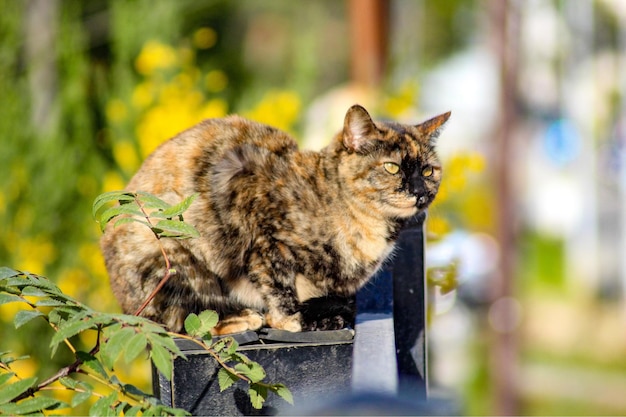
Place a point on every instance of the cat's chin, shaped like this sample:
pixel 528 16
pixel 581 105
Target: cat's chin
pixel 405 209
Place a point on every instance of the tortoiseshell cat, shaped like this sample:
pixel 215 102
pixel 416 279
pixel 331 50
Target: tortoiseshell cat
pixel 278 226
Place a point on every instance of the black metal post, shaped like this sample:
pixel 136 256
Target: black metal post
pixel 409 309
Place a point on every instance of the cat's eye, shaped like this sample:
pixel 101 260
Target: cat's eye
pixel 427 171
pixel 391 168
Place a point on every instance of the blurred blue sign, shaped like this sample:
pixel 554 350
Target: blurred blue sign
pixel 562 142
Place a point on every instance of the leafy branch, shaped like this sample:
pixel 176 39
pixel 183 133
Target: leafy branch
pixel 118 336
pixel 169 222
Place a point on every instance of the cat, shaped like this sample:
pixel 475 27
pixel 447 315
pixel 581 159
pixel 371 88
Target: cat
pixel 279 226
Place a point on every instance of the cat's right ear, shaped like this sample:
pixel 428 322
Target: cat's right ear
pixel 357 127
pixel 432 127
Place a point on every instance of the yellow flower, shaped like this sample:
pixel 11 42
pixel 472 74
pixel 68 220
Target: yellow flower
pixel 125 156
pixel 436 225
pixel 277 108
pixel 183 81
pixel 9 310
pixel 155 56
pixel 116 111
pixel 143 95
pixel 112 182
pixel 92 258
pixel 204 38
pixel 187 56
pixel 402 101
pixel 216 81
pixel 72 282
pixel 34 254
pixel 25 368
pixel 214 108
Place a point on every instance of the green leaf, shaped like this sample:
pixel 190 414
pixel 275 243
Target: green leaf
pixel 104 406
pixel 72 327
pixel 125 220
pixel 24 316
pixel 79 398
pixel 162 359
pixel 109 197
pixel 34 291
pixel 239 357
pixel 5 377
pixel 133 411
pixel 209 319
pixel 113 347
pixel 30 405
pixel 232 347
pixel 175 228
pixel 193 324
pixel 50 302
pixel 180 208
pixel 283 392
pixel 219 345
pixel 8 298
pixel 252 370
pixel 151 327
pixel 133 390
pixel 135 346
pixel 92 363
pixel 68 382
pixel 151 201
pixel 6 272
pixel 9 360
pixel 226 379
pixel 10 391
pixel 166 341
pixel 42 282
pixel 119 410
pixel 258 394
pixel 125 209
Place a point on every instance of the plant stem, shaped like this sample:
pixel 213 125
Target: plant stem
pixel 63 372
pixel 212 352
pixel 168 267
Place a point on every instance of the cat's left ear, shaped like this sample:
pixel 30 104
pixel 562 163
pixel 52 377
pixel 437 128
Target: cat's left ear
pixel 432 127
pixel 357 128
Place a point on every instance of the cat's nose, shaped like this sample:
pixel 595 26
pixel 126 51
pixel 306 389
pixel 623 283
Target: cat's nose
pixel 421 201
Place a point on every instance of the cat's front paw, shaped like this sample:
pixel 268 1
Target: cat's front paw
pixel 328 313
pixel 292 323
pixel 327 323
pixel 246 319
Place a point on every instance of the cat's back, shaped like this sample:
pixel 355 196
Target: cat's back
pixel 176 164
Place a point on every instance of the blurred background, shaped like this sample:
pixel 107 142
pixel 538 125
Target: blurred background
pixel 527 239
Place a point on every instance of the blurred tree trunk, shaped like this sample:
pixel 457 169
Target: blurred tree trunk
pixel 369 30
pixel 41 29
pixel 504 359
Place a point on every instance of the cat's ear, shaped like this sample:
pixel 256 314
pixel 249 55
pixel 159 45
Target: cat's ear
pixel 357 127
pixel 431 128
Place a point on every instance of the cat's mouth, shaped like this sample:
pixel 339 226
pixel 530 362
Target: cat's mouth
pixel 405 206
pixel 422 202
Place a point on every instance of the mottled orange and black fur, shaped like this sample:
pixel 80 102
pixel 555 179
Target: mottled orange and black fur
pixel 278 226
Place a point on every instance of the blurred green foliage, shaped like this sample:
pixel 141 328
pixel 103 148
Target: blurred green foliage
pixel 114 79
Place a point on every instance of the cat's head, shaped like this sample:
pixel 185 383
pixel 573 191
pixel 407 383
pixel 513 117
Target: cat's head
pixel 391 167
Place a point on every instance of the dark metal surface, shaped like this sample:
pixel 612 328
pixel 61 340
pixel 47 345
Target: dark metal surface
pixel 309 370
pixel 409 309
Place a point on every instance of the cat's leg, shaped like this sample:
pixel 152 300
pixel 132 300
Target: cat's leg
pixel 276 280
